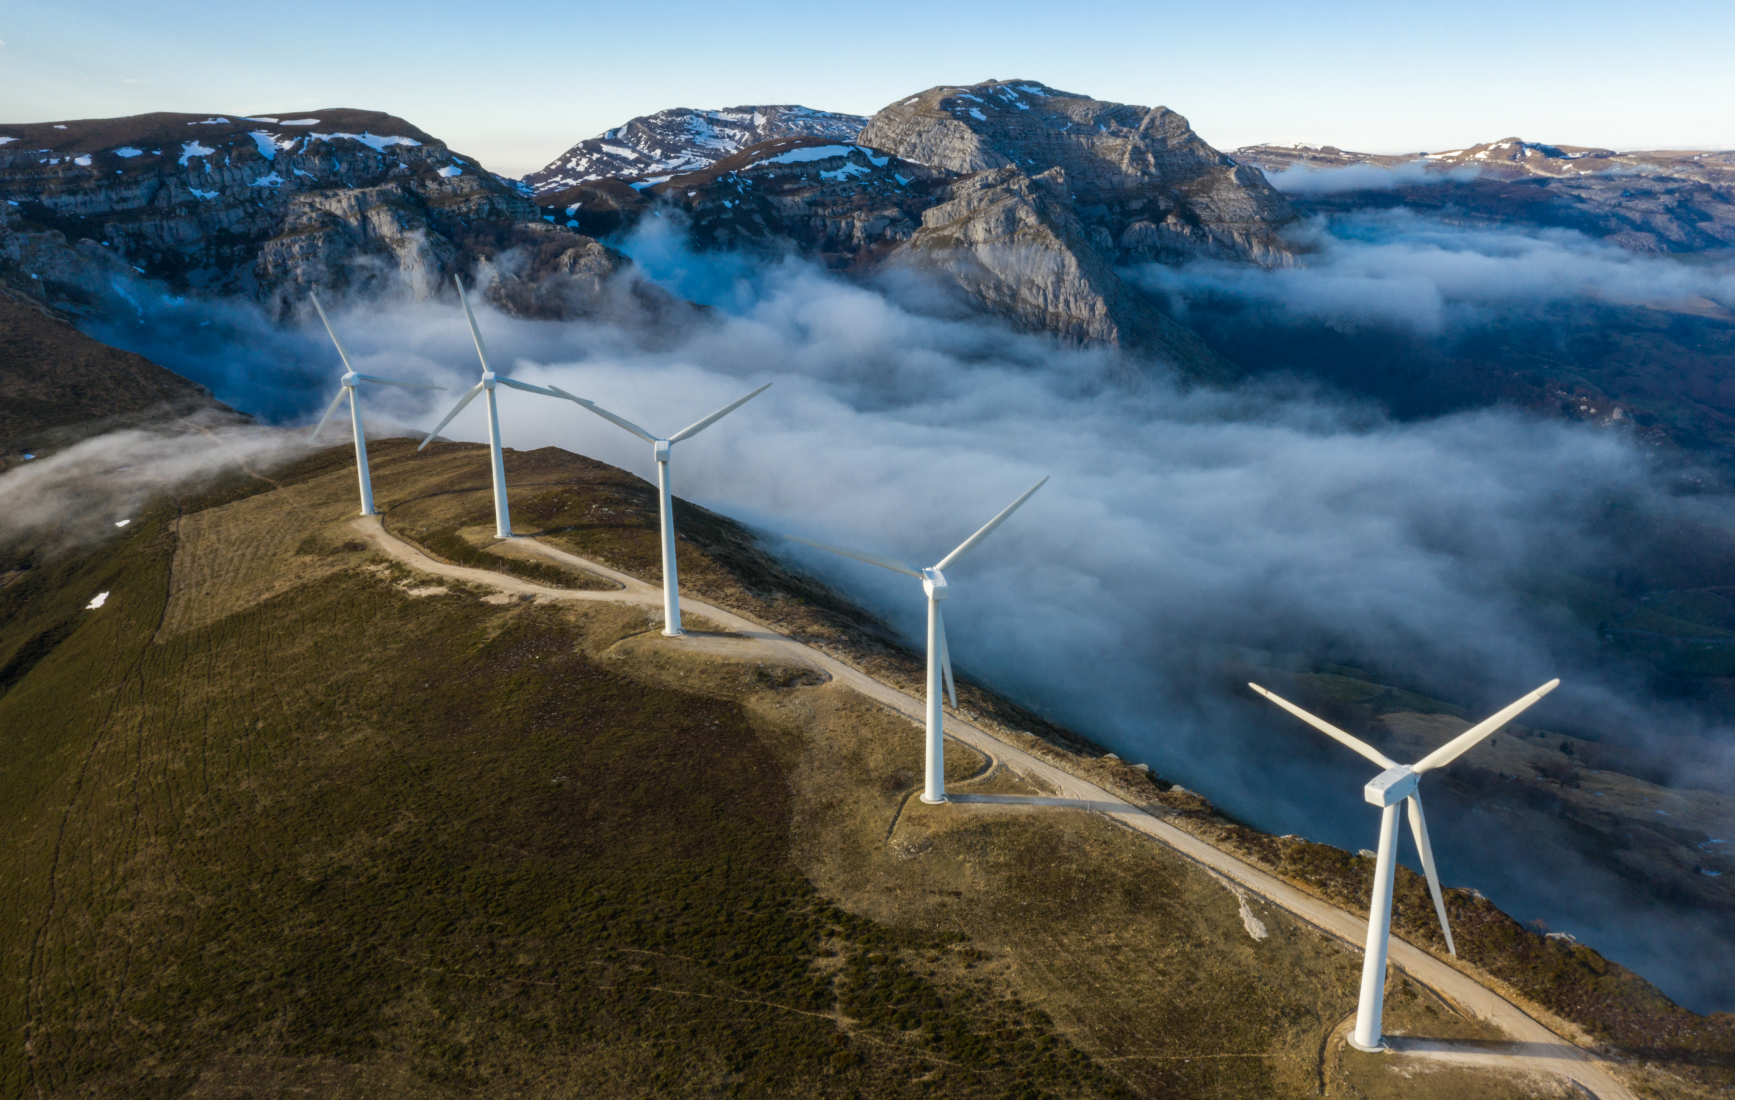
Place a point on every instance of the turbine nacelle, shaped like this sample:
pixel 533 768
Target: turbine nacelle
pixel 934 585
pixel 1392 786
pixel 351 378
pixel 489 380
pixel 661 450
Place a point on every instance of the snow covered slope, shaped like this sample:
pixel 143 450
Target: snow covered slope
pixel 686 140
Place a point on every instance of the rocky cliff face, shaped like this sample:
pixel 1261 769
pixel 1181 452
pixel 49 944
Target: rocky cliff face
pixel 1143 184
pixel 1013 245
pixel 996 241
pixel 271 208
pixel 684 140
pixel 1654 201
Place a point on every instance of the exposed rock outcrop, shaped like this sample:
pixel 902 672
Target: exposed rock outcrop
pixel 1013 245
pixel 1145 186
pixel 269 209
pixel 685 140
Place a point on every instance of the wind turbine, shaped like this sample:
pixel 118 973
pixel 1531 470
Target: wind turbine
pixel 347 385
pixel 936 589
pixel 1397 783
pixel 486 386
pixel 667 523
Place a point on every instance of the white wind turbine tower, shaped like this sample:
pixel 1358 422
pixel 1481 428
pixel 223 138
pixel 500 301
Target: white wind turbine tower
pixel 667 522
pixel 936 642
pixel 1396 783
pixel 486 386
pixel 347 385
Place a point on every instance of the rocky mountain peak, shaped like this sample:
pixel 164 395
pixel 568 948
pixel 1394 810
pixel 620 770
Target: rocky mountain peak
pixel 1151 186
pixel 685 140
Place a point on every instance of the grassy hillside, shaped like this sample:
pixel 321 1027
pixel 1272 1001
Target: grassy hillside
pixel 58 385
pixel 285 818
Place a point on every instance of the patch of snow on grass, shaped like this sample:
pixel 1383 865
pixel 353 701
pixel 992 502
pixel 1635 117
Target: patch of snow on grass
pixel 204 122
pixel 58 126
pixel 976 113
pixel 122 522
pixel 813 152
pixel 450 171
pixel 84 161
pixel 97 601
pixel 203 194
pixel 373 141
pixel 251 118
pixel 4 140
pixel 270 179
pixel 266 143
pixel 300 122
pixel 129 151
pixel 194 149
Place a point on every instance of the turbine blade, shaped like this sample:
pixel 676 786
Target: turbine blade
pixel 463 401
pixel 625 425
pixel 343 358
pixel 390 382
pixel 1341 735
pixel 560 392
pixel 1475 734
pixel 948 670
pixel 330 409
pixel 874 559
pixel 1417 819
pixel 528 387
pixel 476 336
pixel 996 521
pixel 705 421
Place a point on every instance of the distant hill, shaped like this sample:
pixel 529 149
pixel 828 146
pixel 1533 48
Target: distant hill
pixel 1646 201
pixel 683 139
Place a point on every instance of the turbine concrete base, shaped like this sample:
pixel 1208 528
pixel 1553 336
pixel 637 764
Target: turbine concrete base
pixel 929 801
pixel 673 633
pixel 1357 1045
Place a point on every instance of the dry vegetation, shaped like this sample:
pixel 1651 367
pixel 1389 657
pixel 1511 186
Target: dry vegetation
pixel 288 818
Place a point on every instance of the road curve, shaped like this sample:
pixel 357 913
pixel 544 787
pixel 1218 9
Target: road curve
pixel 1534 1049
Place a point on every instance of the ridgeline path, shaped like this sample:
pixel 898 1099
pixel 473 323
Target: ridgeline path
pixel 1533 1048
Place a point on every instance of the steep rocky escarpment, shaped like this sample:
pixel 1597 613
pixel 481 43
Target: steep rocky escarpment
pixel 1144 184
pixel 270 208
pixel 1013 245
pixel 996 241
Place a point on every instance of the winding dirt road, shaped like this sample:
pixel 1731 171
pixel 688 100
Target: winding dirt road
pixel 1533 1048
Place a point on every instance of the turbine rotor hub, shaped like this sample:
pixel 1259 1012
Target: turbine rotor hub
pixel 661 450
pixel 489 380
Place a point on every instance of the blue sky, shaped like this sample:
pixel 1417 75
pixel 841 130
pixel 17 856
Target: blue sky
pixel 516 84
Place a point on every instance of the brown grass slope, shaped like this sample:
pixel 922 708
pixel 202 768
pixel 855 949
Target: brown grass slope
pixel 286 819
pixel 58 385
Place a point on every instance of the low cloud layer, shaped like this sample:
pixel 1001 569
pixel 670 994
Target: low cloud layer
pixel 1396 268
pixel 90 490
pixel 1302 179
pixel 1181 535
